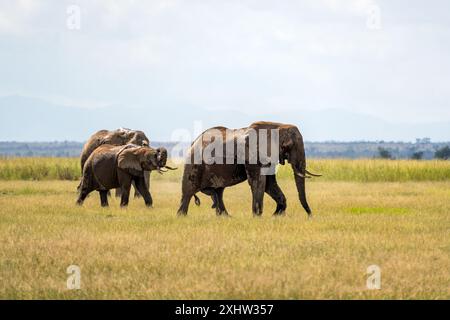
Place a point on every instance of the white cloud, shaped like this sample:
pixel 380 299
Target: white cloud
pixel 251 55
pixel 14 15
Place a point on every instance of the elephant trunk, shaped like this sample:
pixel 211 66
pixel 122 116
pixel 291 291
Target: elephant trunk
pixel 161 157
pixel 299 168
pixel 300 183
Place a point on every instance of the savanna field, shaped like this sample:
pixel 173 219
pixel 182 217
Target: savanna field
pixel 390 213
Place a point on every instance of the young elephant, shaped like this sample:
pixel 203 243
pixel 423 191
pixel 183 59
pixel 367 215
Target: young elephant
pixel 119 137
pixel 110 167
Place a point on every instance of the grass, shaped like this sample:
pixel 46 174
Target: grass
pixel 361 170
pixel 141 253
pixel 40 169
pixel 377 170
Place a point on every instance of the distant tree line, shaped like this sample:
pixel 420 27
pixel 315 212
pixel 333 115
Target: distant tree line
pixel 421 149
pixel 442 153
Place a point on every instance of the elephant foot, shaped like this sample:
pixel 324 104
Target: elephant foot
pixel 79 203
pixel 197 200
pixel 222 214
pixel 310 216
pixel 279 213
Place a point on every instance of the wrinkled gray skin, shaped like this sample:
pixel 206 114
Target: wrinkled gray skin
pixel 119 137
pixel 110 167
pixel 212 179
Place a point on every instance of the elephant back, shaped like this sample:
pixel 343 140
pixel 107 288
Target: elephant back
pixel 93 143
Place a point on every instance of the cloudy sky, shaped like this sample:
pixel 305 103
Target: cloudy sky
pixel 388 59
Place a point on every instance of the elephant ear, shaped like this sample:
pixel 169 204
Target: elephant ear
pixel 286 144
pixel 128 160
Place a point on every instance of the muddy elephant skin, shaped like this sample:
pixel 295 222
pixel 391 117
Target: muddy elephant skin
pixel 213 178
pixel 110 167
pixel 119 137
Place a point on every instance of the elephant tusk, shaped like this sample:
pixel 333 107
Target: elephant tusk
pixel 170 168
pixel 302 175
pixel 313 174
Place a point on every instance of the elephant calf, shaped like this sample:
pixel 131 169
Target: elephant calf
pixel 119 137
pixel 110 167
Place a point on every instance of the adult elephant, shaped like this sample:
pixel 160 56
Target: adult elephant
pixel 112 166
pixel 213 177
pixel 117 137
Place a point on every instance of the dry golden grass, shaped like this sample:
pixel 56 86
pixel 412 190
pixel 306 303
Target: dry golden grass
pixel 150 253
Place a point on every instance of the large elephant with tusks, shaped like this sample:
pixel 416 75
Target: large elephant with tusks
pixel 212 178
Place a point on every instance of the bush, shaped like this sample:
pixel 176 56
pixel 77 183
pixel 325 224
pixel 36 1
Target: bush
pixel 384 153
pixel 442 153
pixel 417 155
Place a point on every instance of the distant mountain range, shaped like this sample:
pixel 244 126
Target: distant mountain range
pixel 31 119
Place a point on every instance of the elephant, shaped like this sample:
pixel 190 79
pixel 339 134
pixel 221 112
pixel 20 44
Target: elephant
pixel 118 137
pixel 212 178
pixel 110 167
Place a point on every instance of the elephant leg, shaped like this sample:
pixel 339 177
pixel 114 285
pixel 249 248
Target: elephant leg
pixel 118 192
pixel 257 184
pixel 137 192
pixel 184 207
pixel 190 186
pixel 220 208
pixel 142 188
pixel 212 193
pixel 104 198
pixel 274 191
pixel 126 186
pixel 83 195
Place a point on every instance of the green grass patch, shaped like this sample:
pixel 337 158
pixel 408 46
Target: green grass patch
pixel 359 170
pixel 40 169
pixel 375 170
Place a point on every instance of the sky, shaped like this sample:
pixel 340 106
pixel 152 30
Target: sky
pixel 388 59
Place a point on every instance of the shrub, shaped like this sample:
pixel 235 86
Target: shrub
pixel 442 153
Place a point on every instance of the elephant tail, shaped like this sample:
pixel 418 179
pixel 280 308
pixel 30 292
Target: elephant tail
pixel 197 200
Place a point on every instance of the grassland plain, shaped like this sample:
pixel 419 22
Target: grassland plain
pixel 362 170
pixel 397 219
